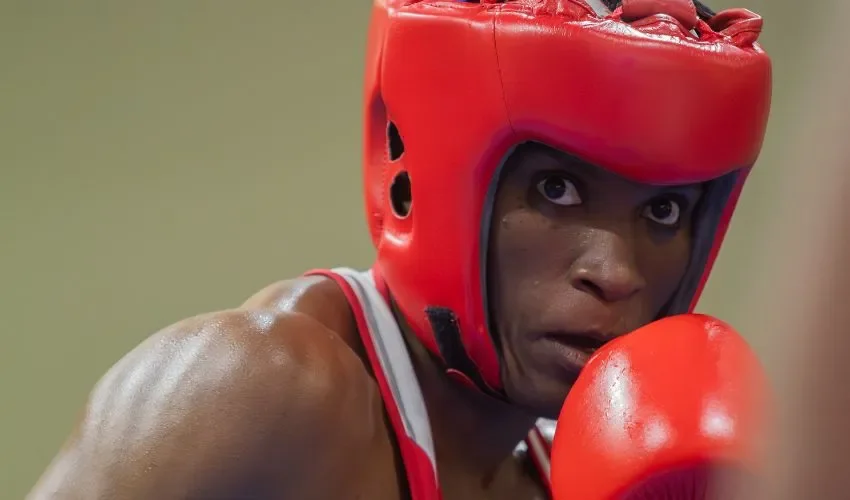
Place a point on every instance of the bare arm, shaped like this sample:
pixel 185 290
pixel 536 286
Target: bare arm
pixel 807 316
pixel 799 288
pixel 223 405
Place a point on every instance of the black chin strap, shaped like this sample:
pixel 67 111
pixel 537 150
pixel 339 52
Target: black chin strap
pixel 446 329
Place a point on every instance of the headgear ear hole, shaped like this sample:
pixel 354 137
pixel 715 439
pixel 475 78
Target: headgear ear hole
pixel 395 145
pixel 401 197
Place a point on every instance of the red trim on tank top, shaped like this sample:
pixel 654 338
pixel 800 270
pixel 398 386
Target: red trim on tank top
pixel 421 476
pixel 538 445
pixel 380 284
pixel 418 467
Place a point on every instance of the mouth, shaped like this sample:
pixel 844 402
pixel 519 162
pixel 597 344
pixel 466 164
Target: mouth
pixel 588 342
pixel 575 349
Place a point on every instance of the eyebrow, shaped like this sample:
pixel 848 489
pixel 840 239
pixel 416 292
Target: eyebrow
pixel 695 189
pixel 694 186
pixel 567 161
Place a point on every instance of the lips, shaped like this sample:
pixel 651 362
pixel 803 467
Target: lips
pixel 587 342
pixel 569 351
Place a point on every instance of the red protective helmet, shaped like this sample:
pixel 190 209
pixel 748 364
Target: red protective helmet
pixel 653 91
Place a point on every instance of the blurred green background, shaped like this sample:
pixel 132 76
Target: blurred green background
pixel 162 159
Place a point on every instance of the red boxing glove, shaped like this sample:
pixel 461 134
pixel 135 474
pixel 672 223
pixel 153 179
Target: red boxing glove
pixel 656 412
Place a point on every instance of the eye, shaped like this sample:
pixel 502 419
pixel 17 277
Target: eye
pixel 664 211
pixel 559 190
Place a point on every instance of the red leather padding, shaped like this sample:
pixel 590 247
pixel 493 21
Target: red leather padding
pixel 466 82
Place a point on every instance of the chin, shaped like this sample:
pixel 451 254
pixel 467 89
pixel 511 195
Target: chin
pixel 541 398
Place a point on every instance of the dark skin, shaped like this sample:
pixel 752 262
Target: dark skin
pixel 597 256
pixel 271 400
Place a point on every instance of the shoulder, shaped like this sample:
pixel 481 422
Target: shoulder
pixel 232 391
pixel 289 346
pixel 291 337
pixel 287 358
pixel 317 297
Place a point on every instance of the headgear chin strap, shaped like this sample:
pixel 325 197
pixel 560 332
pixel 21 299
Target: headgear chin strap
pixel 650 91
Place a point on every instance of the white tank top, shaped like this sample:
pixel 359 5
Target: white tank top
pixel 401 392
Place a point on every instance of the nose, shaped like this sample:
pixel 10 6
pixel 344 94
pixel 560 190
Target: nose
pixel 606 268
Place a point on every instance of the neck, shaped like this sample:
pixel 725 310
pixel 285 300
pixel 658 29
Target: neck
pixel 473 433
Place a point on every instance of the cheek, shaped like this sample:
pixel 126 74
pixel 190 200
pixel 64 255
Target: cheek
pixel 518 245
pixel 665 266
pixel 523 262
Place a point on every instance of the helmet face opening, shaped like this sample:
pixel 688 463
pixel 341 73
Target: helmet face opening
pixel 452 88
pixel 709 225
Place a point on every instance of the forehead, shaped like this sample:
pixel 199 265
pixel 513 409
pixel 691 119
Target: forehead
pixel 531 158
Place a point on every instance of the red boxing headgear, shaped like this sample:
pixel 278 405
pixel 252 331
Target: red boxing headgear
pixel 650 91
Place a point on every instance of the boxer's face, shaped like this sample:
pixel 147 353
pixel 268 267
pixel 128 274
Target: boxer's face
pixel 577 255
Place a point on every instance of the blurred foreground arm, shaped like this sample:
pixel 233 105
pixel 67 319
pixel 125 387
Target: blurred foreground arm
pixel 807 313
